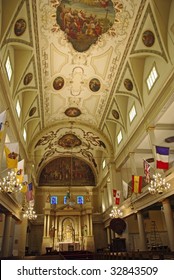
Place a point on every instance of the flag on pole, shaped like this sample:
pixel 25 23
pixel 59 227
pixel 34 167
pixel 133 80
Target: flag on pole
pixel 125 189
pixel 162 157
pixel 25 184
pixel 114 192
pixel 29 193
pixel 117 198
pixel 2 123
pixel 146 171
pixel 20 171
pixel 137 183
pixel 12 154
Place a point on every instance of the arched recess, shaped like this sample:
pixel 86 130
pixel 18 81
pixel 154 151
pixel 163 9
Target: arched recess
pixel 67 171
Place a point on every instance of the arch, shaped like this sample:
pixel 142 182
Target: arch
pixel 67 171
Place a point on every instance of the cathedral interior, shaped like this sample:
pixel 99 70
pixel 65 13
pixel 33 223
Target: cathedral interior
pixel 86 98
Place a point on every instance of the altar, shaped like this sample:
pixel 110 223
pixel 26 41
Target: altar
pixel 69 246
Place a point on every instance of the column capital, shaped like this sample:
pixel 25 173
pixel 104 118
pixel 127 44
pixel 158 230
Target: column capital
pixel 150 128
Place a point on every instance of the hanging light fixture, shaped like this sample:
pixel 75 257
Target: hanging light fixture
pixel 10 183
pixel 158 184
pixel 116 212
pixel 29 213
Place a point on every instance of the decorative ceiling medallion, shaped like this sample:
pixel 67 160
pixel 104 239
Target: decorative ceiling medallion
pixel 128 84
pixel 28 78
pixel 69 140
pixel 32 111
pixel 20 27
pixel 58 83
pixel 115 114
pixel 94 85
pixel 148 38
pixel 72 112
pixel 84 21
pixel 169 139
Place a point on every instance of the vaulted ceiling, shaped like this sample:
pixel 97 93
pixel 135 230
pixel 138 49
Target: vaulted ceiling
pixel 79 67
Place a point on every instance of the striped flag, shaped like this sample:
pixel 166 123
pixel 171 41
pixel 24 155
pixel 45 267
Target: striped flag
pixel 137 183
pixel 162 157
pixel 29 193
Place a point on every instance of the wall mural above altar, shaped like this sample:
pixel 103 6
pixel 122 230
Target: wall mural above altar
pixel 84 21
pixel 67 171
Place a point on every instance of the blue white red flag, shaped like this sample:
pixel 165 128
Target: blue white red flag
pixel 162 157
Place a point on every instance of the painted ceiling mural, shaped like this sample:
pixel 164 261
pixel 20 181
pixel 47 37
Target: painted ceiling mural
pixel 67 171
pixel 84 21
pixel 76 142
pixel 81 43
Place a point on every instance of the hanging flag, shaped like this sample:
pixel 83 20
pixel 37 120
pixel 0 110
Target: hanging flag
pixel 117 197
pixel 137 183
pixel 12 154
pixel 114 192
pixel 162 157
pixel 20 171
pixel 125 189
pixel 29 193
pixel 25 184
pixel 2 123
pixel 146 171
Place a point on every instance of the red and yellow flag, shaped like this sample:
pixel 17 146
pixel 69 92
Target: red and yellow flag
pixel 137 183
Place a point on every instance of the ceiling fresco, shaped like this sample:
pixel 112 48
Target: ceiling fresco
pixel 84 21
pixel 83 64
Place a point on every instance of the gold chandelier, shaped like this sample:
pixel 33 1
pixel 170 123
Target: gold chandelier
pixel 29 213
pixel 116 212
pixel 158 185
pixel 10 183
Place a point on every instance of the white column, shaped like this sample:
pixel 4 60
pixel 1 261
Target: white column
pixel 106 198
pixel 103 200
pixel 169 222
pixel 143 246
pixel 45 225
pixel 80 229
pixel 110 192
pixel 91 227
pixel 88 225
pixel 112 172
pixel 119 185
pixel 48 225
